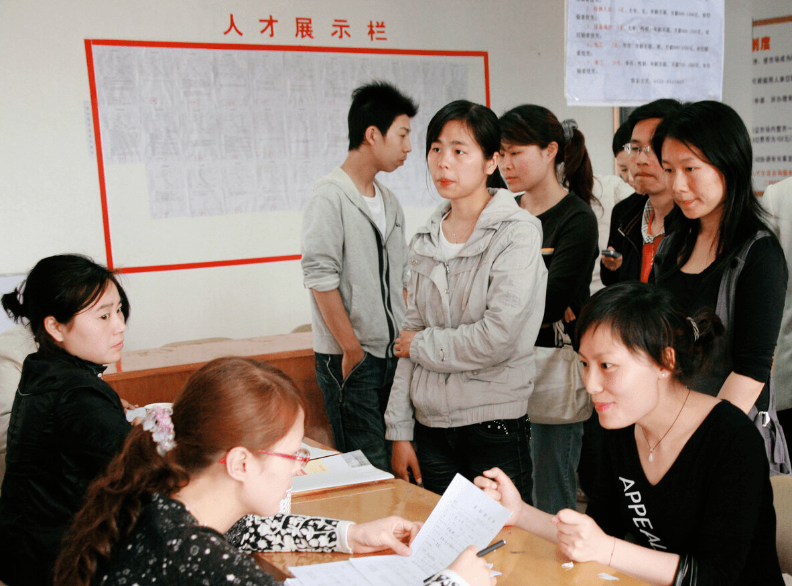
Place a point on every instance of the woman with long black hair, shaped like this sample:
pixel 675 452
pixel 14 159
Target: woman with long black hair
pixel 721 254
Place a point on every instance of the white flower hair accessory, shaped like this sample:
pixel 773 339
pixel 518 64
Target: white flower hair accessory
pixel 158 422
pixel 569 125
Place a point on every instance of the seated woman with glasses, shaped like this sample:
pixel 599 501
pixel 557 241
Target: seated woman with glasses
pixel 187 488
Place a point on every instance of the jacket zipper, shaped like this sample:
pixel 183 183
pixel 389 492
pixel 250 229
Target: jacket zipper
pixel 384 276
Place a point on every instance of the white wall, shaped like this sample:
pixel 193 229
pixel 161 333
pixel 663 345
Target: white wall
pixel 49 194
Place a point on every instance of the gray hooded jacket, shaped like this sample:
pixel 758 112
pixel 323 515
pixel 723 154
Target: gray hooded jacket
pixel 342 248
pixel 478 316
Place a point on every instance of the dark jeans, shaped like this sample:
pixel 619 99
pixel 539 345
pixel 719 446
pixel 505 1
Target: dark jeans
pixel 471 449
pixel 356 405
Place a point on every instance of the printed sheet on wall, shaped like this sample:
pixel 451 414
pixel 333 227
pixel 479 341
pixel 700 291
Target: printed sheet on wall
pixel 209 151
pixel 629 52
pixel 771 79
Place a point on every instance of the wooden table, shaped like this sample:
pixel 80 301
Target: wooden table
pixel 157 375
pixel 525 559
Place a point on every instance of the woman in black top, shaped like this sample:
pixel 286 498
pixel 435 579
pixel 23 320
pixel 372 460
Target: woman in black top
pixel 721 254
pixel 683 476
pixel 535 146
pixel 66 422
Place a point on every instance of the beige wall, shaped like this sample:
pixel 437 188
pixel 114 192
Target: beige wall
pixel 49 191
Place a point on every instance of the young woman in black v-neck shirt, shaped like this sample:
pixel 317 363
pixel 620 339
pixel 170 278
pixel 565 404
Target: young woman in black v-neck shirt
pixel 684 477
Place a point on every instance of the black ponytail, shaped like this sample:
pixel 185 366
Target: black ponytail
pixel 535 125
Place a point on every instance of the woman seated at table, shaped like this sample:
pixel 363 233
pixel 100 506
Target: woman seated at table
pixel 66 423
pixel 231 448
pixel 684 474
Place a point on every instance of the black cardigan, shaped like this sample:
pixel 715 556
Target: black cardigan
pixel 625 237
pixel 66 425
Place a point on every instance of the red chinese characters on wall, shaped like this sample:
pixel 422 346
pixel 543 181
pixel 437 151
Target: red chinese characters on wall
pixel 760 44
pixel 269 25
pixel 340 28
pixel 304 28
pixel 376 31
pixel 233 27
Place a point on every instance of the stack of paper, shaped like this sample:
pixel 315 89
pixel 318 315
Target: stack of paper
pixel 339 470
pixel 464 516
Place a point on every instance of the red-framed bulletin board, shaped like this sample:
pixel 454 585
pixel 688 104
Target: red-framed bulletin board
pixel 147 233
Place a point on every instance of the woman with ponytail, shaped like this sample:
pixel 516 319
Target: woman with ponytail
pixel 214 470
pixel 537 150
pixel 684 474
pixel 66 422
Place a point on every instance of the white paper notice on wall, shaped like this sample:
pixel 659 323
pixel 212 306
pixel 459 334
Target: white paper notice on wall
pixel 771 79
pixel 629 52
pixel 224 131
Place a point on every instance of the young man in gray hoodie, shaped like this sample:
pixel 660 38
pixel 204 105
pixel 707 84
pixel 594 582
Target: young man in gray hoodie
pixel 354 260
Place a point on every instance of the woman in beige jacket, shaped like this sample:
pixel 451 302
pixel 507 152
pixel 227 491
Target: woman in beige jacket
pixel 474 307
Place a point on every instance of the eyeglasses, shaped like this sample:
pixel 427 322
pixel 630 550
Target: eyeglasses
pixel 634 150
pixel 302 456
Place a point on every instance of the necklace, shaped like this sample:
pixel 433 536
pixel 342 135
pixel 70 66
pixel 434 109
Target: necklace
pixel 652 449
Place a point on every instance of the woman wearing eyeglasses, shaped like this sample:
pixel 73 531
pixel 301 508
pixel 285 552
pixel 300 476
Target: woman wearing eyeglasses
pixel 187 488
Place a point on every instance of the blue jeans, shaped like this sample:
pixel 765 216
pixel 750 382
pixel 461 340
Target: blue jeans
pixel 555 450
pixel 471 449
pixel 356 405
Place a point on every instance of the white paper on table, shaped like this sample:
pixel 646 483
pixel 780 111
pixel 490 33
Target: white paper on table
pixel 319 452
pixel 338 470
pixel 293 582
pixel 464 516
pixel 390 570
pixel 332 574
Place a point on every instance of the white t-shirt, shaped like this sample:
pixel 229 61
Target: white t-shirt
pixel 450 249
pixel 377 206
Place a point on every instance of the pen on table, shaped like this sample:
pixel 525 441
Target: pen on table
pixel 480 554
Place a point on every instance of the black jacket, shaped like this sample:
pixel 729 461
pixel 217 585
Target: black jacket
pixel 66 425
pixel 625 236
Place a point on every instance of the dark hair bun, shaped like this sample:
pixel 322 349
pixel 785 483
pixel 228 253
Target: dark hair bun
pixel 13 306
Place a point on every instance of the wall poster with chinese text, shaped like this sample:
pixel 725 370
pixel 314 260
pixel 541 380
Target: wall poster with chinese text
pixel 198 142
pixel 629 52
pixel 771 133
